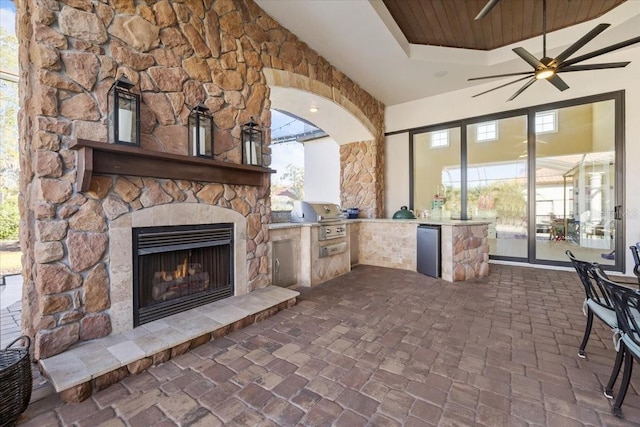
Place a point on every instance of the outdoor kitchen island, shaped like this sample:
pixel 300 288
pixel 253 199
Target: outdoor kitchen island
pixel 464 248
pixel 313 258
pixel 392 243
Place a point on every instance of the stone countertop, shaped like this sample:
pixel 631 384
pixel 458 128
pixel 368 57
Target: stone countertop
pixel 452 222
pixel 283 225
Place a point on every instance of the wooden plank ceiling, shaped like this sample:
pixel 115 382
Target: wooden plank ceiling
pixel 451 23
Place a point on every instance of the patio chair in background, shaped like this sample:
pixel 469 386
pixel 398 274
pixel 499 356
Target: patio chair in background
pixel 636 259
pixel 596 300
pixel 626 303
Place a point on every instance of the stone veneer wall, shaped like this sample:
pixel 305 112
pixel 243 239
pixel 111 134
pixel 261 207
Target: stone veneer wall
pixel 469 245
pixel 386 244
pixel 178 54
pixel 362 177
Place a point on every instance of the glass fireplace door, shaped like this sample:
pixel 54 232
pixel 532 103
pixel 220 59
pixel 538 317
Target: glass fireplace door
pixel 177 268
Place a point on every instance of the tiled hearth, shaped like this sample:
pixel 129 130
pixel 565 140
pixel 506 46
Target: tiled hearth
pixel 94 365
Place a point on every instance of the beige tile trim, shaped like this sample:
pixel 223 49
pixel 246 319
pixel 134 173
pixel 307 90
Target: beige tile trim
pixel 121 256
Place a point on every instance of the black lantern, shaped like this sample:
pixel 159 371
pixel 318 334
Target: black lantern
pixel 201 131
pixel 124 117
pixel 251 143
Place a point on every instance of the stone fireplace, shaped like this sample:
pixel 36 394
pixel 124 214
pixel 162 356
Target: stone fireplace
pixel 78 218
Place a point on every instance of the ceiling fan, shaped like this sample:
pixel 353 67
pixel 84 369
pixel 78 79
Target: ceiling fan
pixel 547 68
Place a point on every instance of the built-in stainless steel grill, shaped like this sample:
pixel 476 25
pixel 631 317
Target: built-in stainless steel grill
pixel 316 212
pixel 332 232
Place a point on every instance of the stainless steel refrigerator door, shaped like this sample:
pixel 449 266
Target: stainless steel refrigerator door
pixel 428 250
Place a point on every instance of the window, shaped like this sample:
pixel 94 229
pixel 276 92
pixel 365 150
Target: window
pixel 436 174
pixel 287 157
pixel 440 139
pixel 546 122
pixel 487 131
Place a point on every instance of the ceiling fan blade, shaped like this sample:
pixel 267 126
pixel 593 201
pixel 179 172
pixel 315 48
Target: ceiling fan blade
pixel 588 67
pixel 531 60
pixel 522 89
pixel 501 86
pixel 486 9
pixel 600 51
pixel 558 82
pixel 581 42
pixel 522 73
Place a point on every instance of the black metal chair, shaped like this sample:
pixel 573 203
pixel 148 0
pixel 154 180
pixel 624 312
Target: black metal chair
pixel 626 303
pixel 596 301
pixel 636 258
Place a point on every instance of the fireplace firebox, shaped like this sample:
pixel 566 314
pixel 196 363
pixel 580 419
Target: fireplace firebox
pixel 178 268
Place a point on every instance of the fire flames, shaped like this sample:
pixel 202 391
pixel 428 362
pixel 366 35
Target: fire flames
pixel 179 273
pixel 185 279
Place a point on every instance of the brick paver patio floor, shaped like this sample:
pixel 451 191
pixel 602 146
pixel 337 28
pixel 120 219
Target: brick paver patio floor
pixel 384 347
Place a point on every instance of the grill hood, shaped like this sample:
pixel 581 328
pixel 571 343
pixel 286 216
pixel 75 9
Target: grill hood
pixel 316 212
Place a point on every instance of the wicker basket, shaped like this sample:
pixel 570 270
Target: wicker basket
pixel 15 377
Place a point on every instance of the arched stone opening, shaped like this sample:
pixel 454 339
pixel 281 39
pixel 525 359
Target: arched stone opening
pixel 360 152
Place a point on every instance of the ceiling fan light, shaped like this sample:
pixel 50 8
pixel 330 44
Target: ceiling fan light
pixel 544 73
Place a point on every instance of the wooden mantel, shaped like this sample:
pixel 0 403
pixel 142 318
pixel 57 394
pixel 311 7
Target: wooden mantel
pixel 111 159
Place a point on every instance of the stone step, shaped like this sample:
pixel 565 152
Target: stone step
pixel 98 363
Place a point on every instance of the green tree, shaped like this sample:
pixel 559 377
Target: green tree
pixel 9 154
pixel 509 201
pixel 295 176
pixel 8 52
pixel 287 187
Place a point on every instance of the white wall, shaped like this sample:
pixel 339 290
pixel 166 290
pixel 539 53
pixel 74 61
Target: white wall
pixel 460 105
pixel 396 173
pixel 322 170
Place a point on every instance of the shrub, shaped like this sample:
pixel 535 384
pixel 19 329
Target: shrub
pixel 9 220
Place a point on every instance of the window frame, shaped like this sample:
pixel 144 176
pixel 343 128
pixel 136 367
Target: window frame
pixel 444 132
pixel 493 123
pixel 542 114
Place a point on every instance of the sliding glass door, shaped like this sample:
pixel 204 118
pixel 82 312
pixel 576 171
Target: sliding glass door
pixel 546 178
pixel 497 182
pixel 575 183
pixel 436 180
